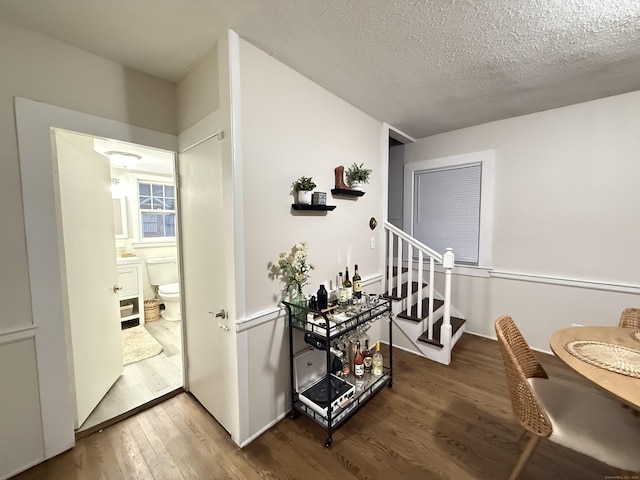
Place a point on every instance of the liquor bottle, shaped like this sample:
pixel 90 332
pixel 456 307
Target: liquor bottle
pixel 358 362
pixel 348 286
pixel 368 357
pixel 322 298
pixel 342 293
pixel 357 284
pixel 377 361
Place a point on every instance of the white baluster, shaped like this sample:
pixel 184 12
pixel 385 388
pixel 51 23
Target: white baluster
pixel 420 280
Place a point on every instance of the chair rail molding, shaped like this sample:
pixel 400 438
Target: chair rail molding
pixel 567 282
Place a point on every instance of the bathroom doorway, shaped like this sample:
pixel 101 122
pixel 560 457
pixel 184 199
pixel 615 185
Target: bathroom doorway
pixel 152 359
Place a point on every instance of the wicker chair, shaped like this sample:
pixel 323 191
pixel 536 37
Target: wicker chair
pixel 630 318
pixel 578 418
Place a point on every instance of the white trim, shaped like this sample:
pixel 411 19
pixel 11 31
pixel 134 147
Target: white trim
pixel 466 270
pixel 34 121
pixel 10 335
pixel 247 323
pixel 567 282
pixel 234 196
pixel 244 427
pixel 235 89
pixel 398 135
pixel 495 339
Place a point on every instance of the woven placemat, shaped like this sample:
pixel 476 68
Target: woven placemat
pixel 636 335
pixel 614 358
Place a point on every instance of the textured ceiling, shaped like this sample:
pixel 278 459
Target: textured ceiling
pixel 424 67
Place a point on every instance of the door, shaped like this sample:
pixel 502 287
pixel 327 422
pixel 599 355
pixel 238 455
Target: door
pixel 89 268
pixel 210 340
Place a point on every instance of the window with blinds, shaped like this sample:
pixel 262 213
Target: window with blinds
pixel 446 210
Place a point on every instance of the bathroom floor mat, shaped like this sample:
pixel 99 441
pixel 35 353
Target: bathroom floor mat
pixel 138 344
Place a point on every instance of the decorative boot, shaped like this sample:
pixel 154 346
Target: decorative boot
pixel 339 171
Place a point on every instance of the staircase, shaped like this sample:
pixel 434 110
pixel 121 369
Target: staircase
pixel 421 313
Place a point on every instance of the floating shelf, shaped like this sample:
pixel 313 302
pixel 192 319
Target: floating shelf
pixel 301 206
pixel 347 192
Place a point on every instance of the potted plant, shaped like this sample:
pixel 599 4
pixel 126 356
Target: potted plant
pixel 303 188
pixel 357 176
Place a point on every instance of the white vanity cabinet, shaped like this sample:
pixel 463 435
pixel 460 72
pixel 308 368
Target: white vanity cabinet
pixel 131 295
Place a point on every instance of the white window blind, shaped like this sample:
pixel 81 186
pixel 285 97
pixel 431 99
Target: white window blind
pixel 447 210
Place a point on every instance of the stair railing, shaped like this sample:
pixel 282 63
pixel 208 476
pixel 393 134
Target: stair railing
pixel 396 239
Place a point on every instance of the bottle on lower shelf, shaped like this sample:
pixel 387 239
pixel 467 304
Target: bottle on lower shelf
pixel 377 362
pixel 358 362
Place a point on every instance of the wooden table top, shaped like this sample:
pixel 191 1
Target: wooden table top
pixel 622 386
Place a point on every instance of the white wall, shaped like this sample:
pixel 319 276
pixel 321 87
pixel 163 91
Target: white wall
pixel 566 208
pixel 197 91
pixel 38 67
pixel 290 127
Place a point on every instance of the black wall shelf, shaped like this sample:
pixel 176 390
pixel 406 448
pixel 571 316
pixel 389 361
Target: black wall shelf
pixel 301 206
pixel 346 192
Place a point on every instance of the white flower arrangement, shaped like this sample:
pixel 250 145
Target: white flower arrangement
pixel 294 269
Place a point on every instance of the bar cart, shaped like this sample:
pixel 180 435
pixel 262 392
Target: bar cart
pixel 321 329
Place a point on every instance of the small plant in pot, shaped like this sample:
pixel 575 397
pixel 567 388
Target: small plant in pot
pixel 303 187
pixel 357 176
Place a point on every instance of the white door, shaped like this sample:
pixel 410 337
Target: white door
pixel 89 268
pixel 210 340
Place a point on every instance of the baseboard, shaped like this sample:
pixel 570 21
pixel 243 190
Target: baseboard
pixel 247 441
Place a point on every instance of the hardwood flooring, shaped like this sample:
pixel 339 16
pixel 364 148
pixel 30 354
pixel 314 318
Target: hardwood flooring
pixel 437 422
pixel 143 381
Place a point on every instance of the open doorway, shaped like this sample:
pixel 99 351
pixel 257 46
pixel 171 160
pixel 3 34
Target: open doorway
pixel 142 193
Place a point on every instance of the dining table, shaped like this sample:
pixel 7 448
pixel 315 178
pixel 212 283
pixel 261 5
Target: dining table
pixel 607 356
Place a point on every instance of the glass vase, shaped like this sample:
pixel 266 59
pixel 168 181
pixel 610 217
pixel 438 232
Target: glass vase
pixel 298 311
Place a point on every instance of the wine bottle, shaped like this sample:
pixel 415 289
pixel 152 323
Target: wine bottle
pixel 377 361
pixel 367 356
pixel 357 284
pixel 342 292
pixel 358 362
pixel 348 286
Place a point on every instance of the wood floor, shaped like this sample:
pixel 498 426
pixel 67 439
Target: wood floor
pixel 437 422
pixel 143 381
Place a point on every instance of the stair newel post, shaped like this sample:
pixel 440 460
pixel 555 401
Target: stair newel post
pixel 409 274
pixel 420 281
pixel 446 332
pixel 432 275
pixel 390 264
pixel 400 264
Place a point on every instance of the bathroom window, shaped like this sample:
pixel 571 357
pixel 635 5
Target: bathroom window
pixel 157 204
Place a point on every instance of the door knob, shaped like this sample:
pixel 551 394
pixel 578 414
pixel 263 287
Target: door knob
pixel 117 288
pixel 220 313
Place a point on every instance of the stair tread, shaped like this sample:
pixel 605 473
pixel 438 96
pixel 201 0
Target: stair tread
pixel 403 291
pixel 456 324
pixel 412 314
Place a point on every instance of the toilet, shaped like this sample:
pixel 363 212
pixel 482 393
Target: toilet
pixel 163 275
